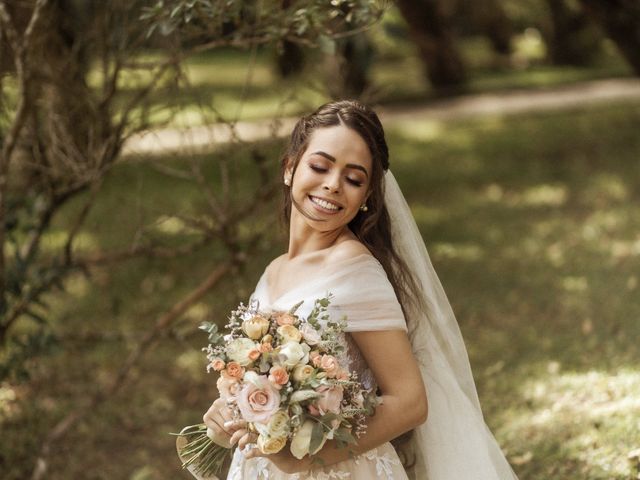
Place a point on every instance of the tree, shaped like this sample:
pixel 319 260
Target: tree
pixel 620 19
pixel 573 38
pixel 63 127
pixel 431 32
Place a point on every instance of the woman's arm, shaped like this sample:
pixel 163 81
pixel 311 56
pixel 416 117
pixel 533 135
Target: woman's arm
pixel 404 400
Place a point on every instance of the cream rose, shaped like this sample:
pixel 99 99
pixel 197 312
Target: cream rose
pixel 255 327
pixel 258 400
pixel 310 334
pixel 302 372
pixel 289 333
pixel 269 445
pixel 302 439
pixel 278 425
pixel 292 353
pixel 239 349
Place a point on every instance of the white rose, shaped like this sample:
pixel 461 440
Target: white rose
pixel 238 350
pixel 302 439
pixel 310 334
pixel 293 353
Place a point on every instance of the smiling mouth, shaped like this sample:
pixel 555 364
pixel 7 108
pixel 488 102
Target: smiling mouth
pixel 325 205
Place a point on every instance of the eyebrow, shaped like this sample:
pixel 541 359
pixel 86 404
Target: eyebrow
pixel 332 158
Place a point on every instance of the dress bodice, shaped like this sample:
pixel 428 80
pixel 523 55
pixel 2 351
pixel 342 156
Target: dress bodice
pixel 360 291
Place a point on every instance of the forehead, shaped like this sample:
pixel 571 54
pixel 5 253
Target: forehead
pixel 343 143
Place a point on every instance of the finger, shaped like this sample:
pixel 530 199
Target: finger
pixel 246 439
pixel 252 451
pixel 237 436
pixel 221 439
pixel 234 425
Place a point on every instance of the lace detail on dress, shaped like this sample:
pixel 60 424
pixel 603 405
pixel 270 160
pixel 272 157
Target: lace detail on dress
pixel 384 462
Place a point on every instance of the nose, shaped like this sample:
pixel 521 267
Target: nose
pixel 332 183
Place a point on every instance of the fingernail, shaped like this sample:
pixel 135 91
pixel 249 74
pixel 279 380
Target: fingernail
pixel 228 423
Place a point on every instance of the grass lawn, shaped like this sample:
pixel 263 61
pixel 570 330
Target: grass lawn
pixel 532 223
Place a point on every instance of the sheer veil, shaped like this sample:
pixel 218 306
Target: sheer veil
pixel 454 443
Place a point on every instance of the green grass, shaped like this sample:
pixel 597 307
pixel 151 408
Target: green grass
pixel 532 223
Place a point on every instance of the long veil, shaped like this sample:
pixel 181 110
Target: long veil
pixel 454 443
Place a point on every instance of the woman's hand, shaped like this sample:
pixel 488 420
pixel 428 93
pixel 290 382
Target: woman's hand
pixel 219 422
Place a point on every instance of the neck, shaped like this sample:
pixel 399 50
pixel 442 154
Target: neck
pixel 303 239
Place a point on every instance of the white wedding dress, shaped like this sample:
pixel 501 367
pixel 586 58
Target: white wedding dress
pixel 361 291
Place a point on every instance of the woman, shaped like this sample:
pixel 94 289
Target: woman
pixel 352 234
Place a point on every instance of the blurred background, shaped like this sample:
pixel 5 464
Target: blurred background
pixel 140 194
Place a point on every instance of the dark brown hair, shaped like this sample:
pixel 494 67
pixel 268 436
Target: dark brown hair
pixel 373 226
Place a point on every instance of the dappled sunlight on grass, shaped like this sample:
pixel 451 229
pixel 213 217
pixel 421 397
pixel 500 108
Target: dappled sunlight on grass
pixel 589 416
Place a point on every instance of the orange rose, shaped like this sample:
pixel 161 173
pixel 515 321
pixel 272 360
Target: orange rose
pixel 278 375
pixel 234 370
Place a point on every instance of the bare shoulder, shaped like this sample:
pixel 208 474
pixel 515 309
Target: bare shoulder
pixel 275 263
pixel 349 249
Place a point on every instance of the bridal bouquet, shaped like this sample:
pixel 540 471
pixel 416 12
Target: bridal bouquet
pixel 286 377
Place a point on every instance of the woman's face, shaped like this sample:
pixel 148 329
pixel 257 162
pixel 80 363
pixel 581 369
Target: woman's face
pixel 332 179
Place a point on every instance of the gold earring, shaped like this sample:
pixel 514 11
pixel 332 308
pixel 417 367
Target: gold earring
pixel 363 207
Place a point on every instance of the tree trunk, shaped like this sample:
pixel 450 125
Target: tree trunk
pixel 496 25
pixel 431 32
pixel 621 20
pixel 574 39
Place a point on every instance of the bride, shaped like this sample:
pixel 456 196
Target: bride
pixel 351 234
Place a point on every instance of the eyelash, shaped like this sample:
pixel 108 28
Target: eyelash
pixel 353 182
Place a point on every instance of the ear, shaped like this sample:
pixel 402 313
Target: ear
pixel 288 170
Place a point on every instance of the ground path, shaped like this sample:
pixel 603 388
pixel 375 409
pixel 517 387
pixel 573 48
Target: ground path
pixel 166 140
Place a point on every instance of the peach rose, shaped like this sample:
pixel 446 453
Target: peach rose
pixel 234 370
pixel 285 318
pixel 265 348
pixel 254 354
pixel 330 399
pixel 228 388
pixel 330 365
pixel 310 334
pixel 258 400
pixel 315 358
pixel 342 375
pixel 217 364
pixel 278 375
